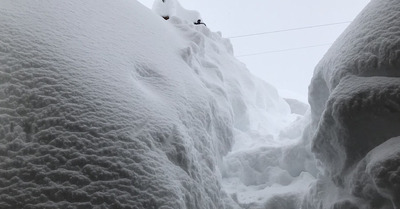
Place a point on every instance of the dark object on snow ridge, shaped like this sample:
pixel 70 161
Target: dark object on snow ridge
pixel 199 22
pixel 166 17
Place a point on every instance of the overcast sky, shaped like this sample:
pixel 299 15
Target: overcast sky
pixel 289 71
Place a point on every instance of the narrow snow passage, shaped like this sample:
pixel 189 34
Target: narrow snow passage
pixel 268 159
pixel 269 169
pixel 105 104
pixel 269 164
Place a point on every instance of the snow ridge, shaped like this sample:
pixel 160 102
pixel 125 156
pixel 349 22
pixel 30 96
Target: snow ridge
pixel 354 98
pixel 98 114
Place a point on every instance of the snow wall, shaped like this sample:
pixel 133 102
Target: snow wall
pixel 355 103
pixel 104 104
pixel 107 105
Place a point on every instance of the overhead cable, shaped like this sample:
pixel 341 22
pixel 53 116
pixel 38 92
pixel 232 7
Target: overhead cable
pixel 284 50
pixel 289 29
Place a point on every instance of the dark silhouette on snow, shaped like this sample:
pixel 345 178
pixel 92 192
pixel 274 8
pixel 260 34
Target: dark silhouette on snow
pixel 199 22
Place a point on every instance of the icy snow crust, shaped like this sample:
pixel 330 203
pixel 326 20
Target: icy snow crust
pixel 104 104
pixel 355 105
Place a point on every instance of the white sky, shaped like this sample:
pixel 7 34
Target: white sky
pixel 291 71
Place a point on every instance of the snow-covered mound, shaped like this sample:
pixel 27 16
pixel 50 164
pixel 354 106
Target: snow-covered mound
pixel 105 104
pixel 355 104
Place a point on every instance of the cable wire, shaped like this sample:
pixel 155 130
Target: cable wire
pixel 284 50
pixel 289 29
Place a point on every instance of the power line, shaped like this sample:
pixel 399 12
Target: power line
pixel 289 29
pixel 284 50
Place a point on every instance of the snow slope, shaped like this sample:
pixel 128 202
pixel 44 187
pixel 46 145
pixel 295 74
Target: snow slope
pixel 104 104
pixel 354 97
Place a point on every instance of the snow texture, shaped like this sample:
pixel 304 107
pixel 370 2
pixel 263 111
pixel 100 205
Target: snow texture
pixel 270 169
pixel 355 109
pixel 104 104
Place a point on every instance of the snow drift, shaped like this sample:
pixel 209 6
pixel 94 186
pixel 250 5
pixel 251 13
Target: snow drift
pixel 355 104
pixel 105 104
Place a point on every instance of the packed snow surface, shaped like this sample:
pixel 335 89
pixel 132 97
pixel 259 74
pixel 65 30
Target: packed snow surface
pixel 355 107
pixel 104 104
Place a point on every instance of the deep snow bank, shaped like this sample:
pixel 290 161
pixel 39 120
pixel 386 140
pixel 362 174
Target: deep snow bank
pixel 105 104
pixel 355 103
